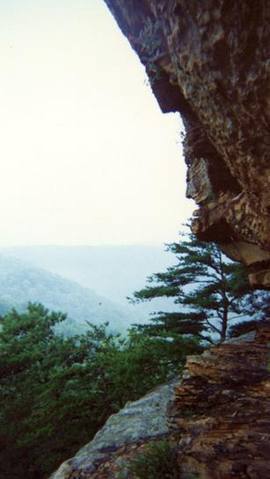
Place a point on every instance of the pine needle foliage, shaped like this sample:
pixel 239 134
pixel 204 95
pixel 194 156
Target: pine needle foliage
pixel 208 289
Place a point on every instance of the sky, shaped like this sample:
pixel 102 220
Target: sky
pixel 87 157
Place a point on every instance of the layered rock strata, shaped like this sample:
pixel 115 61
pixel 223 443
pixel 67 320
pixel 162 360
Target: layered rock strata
pixel 210 61
pixel 221 411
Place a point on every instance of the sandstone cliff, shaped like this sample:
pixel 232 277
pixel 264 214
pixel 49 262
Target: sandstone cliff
pixel 209 60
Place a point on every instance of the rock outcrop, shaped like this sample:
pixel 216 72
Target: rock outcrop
pixel 210 61
pixel 221 411
pixel 123 435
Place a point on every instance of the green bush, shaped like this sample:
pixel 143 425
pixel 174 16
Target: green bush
pixel 158 461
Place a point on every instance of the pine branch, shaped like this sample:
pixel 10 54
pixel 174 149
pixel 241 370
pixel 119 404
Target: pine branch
pixel 214 328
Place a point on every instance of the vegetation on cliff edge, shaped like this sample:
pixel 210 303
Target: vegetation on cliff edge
pixel 56 392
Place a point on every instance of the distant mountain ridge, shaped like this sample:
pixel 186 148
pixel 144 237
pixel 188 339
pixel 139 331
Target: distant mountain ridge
pixel 113 271
pixel 21 283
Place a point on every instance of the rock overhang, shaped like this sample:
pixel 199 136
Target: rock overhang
pixel 210 62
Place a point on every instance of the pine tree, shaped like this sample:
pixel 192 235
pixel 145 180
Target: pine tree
pixel 209 290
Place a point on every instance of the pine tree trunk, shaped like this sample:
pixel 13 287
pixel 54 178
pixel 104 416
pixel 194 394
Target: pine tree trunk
pixel 223 333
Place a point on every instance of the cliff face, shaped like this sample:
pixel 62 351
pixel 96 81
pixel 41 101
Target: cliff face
pixel 210 61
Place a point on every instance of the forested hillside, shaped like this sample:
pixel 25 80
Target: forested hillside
pixel 112 271
pixel 21 283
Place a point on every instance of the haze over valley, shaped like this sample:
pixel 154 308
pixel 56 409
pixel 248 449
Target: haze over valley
pixel 88 283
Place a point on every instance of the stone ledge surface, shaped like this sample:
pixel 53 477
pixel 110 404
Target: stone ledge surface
pixel 138 422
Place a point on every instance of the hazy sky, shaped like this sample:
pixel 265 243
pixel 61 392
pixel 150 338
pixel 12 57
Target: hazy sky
pixel 86 155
